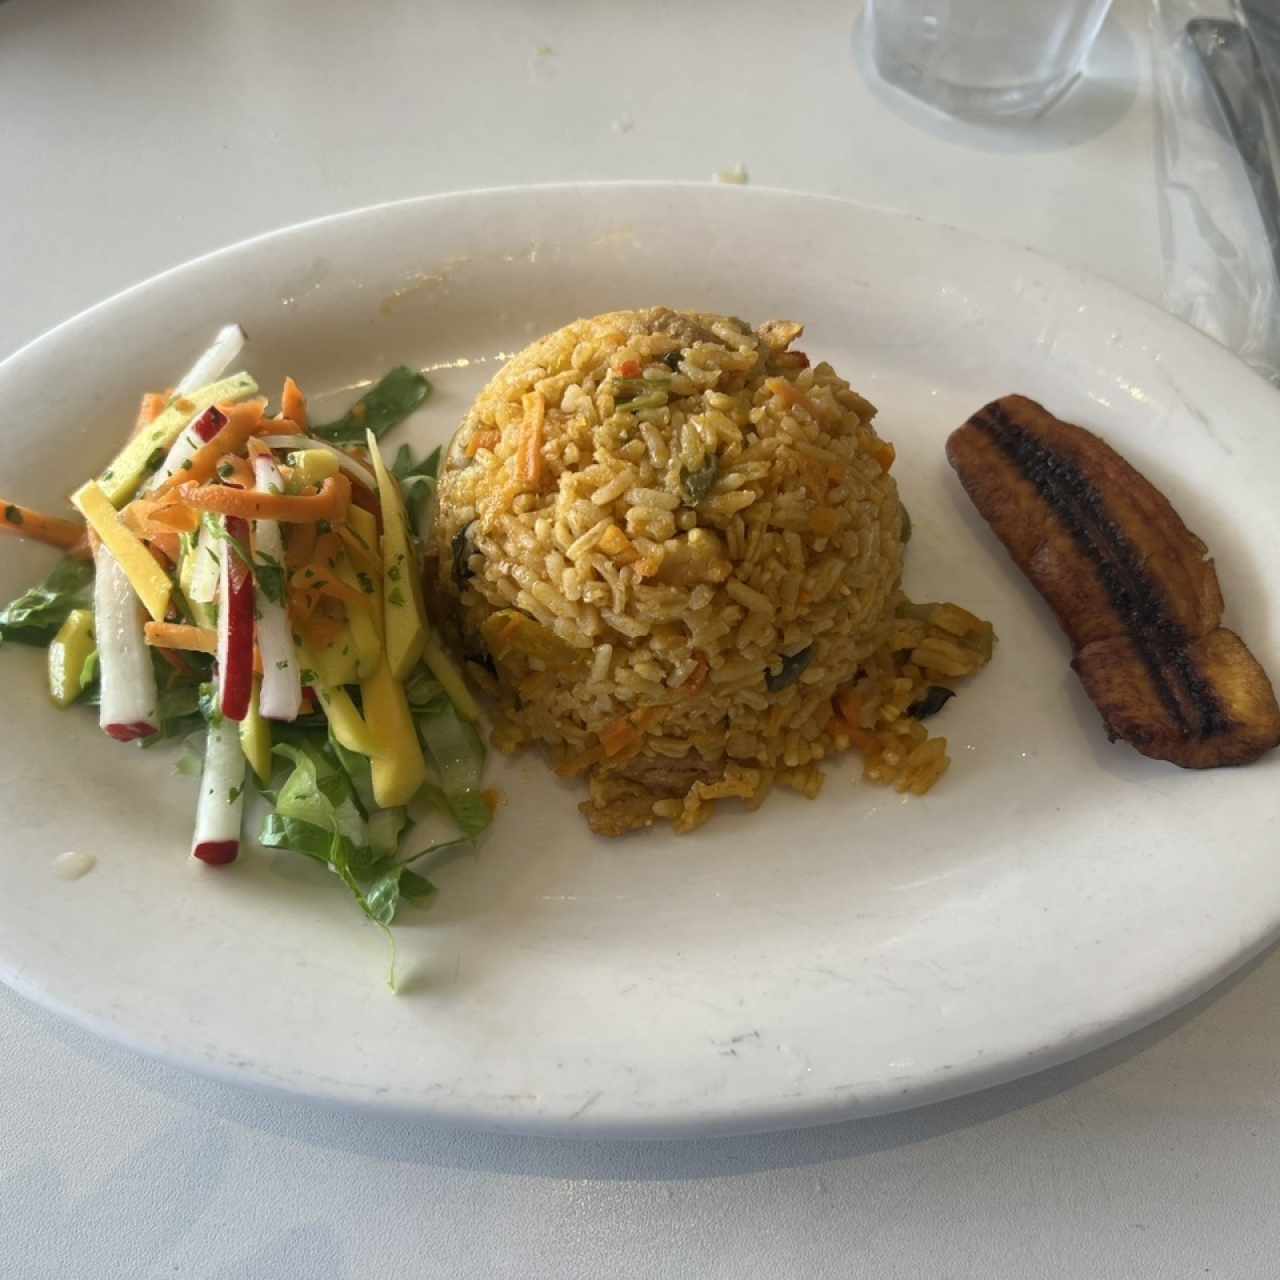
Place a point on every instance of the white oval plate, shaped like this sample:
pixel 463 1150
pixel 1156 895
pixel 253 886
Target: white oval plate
pixel 815 961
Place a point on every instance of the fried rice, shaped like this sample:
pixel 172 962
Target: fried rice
pixel 675 549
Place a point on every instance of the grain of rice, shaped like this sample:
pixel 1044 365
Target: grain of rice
pixel 750 597
pixel 580 547
pixel 614 488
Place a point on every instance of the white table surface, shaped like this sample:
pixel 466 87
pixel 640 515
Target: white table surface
pixel 139 133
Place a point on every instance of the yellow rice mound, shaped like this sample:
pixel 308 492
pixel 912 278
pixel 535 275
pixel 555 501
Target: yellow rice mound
pixel 676 549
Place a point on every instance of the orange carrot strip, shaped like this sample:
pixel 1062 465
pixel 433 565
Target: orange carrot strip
pixel 850 707
pixel 300 545
pixel 177 518
pixel 328 548
pixel 166 547
pixel 884 453
pixel 618 736
pixel 302 604
pixel 529 459
pixel 791 395
pixel 242 420
pixel 321 631
pixel 482 440
pixel 293 404
pixel 22 522
pixel 165 514
pixel 699 677
pixel 329 504
pixel 149 410
pixel 180 635
pixel 188 639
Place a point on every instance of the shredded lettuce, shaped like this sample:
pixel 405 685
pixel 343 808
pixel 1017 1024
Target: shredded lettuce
pixel 319 793
pixel 415 888
pixel 456 752
pixel 470 810
pixel 35 616
pixel 454 748
pixel 425 693
pixel 385 829
pixel 319 812
pixel 358 770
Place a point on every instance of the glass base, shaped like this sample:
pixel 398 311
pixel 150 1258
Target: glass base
pixel 983 59
pixel 1004 102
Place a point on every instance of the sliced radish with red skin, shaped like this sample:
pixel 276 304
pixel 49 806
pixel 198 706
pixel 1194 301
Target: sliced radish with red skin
pixel 129 732
pixel 126 679
pixel 185 447
pixel 221 804
pixel 217 853
pixel 235 624
pixel 209 423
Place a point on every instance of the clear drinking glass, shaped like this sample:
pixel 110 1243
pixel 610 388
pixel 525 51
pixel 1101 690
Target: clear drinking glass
pixel 983 57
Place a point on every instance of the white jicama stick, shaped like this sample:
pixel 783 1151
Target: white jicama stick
pixel 127 679
pixel 353 468
pixel 281 696
pixel 208 368
pixel 221 804
pixel 208 566
pixel 228 344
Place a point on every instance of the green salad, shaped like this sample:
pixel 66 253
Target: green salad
pixel 248 584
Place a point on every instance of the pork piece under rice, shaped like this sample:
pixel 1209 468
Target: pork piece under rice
pixel 673 542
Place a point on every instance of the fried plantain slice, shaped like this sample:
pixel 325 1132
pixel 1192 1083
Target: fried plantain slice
pixel 1132 586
